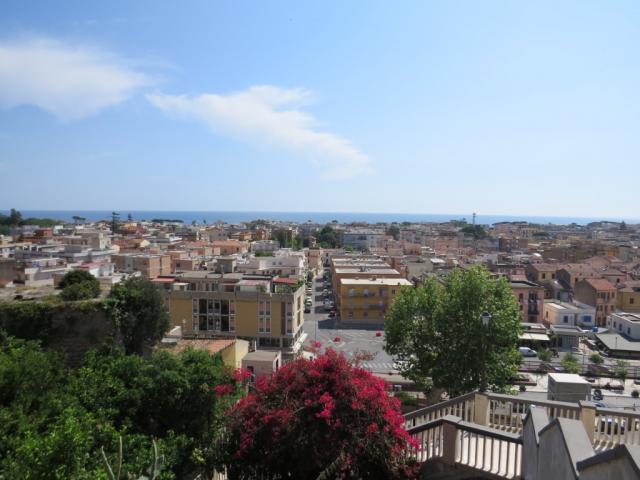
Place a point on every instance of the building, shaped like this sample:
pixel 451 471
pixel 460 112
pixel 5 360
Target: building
pixel 148 264
pixel 629 296
pixel 569 313
pixel 363 240
pixel 231 350
pixel 599 293
pixel 231 247
pixel 530 296
pixel 627 324
pixel 284 263
pixel 262 363
pixel 366 300
pixel 266 311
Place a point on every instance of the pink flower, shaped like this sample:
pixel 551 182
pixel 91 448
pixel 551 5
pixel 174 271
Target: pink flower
pixel 222 390
pixel 241 374
pixel 336 340
pixel 317 344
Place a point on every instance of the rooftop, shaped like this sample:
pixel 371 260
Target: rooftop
pixel 567 378
pixel 212 346
pixel 378 281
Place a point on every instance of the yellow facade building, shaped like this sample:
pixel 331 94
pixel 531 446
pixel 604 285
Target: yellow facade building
pixel 366 300
pixel 628 299
pixel 268 312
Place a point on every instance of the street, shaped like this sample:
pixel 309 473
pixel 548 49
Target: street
pixel 320 328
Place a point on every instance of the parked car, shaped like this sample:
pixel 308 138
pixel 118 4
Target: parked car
pixel 307 309
pixel 527 352
pixel 332 314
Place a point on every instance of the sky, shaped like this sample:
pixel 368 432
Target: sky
pixel 512 108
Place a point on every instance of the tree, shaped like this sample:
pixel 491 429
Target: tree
pixel 544 354
pixel 570 363
pixel 596 359
pixel 79 285
pixel 477 231
pixel 394 231
pixel 622 370
pixel 318 417
pixel 437 333
pixel 139 312
pixel 327 237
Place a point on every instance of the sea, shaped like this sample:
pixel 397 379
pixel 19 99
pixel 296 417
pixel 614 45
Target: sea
pixel 236 217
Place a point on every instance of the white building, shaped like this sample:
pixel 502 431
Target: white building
pixel 285 262
pixel 625 323
pixel 571 314
pixel 363 239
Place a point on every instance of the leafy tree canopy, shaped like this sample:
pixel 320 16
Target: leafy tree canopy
pixel 139 312
pixel 79 285
pixel 437 333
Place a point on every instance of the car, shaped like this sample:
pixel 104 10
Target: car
pixel 332 314
pixel 307 310
pixel 527 352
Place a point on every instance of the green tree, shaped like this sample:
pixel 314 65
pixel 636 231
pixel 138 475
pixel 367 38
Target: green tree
pixel 477 231
pixel 394 231
pixel 327 237
pixel 622 370
pixel 139 312
pixel 570 363
pixel 544 354
pixel 79 285
pixel 437 332
pixel 596 359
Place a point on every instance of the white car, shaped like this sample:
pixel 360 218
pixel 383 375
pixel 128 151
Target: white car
pixel 527 352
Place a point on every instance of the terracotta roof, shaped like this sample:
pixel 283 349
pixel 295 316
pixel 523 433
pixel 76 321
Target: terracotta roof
pixel 212 346
pixel 287 281
pixel 163 280
pixel 600 283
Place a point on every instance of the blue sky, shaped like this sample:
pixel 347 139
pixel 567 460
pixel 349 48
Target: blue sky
pixel 418 107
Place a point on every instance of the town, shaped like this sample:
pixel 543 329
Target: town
pixel 264 293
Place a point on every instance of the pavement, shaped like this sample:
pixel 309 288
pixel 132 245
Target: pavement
pixel 320 328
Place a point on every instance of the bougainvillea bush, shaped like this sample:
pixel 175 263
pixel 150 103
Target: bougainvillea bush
pixel 319 416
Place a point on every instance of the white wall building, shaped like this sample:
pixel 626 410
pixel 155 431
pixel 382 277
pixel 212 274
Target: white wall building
pixel 571 314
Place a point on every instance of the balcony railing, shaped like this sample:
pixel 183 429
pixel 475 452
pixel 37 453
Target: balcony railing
pixel 455 442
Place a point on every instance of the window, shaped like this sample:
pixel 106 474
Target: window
pixel 565 319
pixel 264 316
pixel 586 318
pixel 365 314
pixel 631 301
pixel 352 292
pixel 366 292
pixel 544 275
pixel 628 330
pixel 393 291
pixel 521 297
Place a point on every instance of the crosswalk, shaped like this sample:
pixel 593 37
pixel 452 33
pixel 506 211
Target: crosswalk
pixel 378 366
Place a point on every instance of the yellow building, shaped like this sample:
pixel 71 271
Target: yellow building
pixel 629 296
pixel 366 300
pixel 266 311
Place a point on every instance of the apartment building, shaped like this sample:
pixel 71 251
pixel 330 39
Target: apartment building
pixel 530 296
pixel 284 263
pixel 569 313
pixel 366 300
pixel 363 240
pixel 542 272
pixel 231 247
pixel 266 311
pixel 572 273
pixel 149 265
pixel 628 299
pixel 624 323
pixel 599 293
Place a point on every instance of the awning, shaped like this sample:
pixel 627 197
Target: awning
pixel 535 337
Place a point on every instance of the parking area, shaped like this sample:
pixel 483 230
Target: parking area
pixel 322 328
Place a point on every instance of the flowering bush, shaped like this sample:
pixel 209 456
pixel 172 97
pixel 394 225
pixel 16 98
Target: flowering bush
pixel 315 416
pixel 378 334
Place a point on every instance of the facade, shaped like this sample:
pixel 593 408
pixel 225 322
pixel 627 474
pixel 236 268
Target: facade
pixel 599 293
pixel 288 264
pixel 231 247
pixel 530 296
pixel 366 300
pixel 628 299
pixel 267 312
pixel 627 324
pixel 363 240
pixel 569 313
pixel 149 265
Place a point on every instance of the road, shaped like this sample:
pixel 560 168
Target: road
pixel 320 328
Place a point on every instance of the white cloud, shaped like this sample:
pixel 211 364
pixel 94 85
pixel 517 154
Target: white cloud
pixel 273 116
pixel 69 81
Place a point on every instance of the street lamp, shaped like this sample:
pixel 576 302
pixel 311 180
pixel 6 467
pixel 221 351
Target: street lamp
pixel 485 318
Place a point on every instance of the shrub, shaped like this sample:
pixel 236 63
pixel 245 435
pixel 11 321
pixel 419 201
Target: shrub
pixel 319 417
pixel 544 354
pixel 596 359
pixel 91 286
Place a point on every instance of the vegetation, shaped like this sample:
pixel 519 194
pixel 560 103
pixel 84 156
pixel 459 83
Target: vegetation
pixel 263 254
pixel 596 359
pixel 166 220
pixel 79 285
pixel 327 237
pixel 54 422
pixel 14 219
pixel 321 417
pixel 570 363
pixel 622 370
pixel 139 312
pixel 544 354
pixel 394 231
pixel 477 231
pixel 437 334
